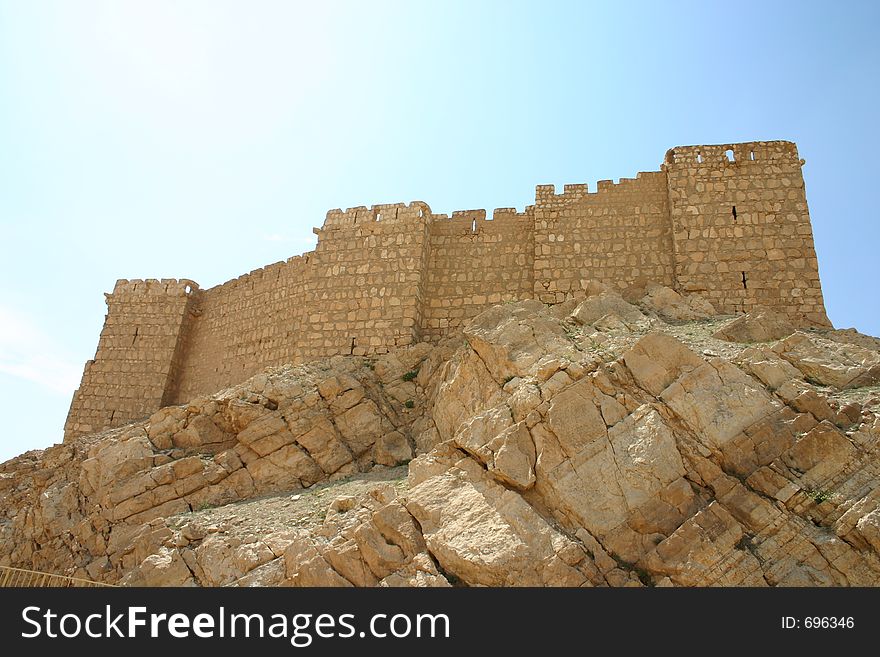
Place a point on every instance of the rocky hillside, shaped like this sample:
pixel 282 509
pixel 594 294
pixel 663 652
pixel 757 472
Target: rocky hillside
pixel 610 441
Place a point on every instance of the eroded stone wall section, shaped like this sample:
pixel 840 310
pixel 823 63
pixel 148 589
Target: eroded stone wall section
pixel 134 371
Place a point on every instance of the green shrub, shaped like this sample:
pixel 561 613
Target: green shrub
pixel 819 496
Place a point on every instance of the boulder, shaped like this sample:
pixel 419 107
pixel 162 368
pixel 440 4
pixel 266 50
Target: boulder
pixel 672 306
pixel 831 363
pixel 657 360
pixel 544 465
pixel 717 401
pixel 360 426
pixel 599 307
pixel 512 338
pixel 164 568
pixel 467 389
pixel 487 535
pixel 757 326
pixel 766 366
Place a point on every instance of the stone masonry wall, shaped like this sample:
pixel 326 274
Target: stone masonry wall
pixel 243 326
pixel 390 275
pixel 742 228
pixel 365 291
pixel 476 262
pixel 140 349
pixel 357 293
pixel 617 234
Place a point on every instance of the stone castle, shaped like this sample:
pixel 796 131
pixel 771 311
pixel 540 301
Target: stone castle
pixel 727 221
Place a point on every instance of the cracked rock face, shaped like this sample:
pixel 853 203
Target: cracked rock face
pixel 545 447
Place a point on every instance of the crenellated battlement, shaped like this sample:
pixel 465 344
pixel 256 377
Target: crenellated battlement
pixel 153 286
pixel 546 194
pixel 729 221
pixel 388 213
pixel 746 153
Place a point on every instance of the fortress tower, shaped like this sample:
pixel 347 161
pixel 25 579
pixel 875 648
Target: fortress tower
pixel 728 221
pixel 741 228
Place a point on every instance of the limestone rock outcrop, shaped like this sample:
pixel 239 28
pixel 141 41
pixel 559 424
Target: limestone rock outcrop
pixel 831 362
pixel 535 449
pixel 81 506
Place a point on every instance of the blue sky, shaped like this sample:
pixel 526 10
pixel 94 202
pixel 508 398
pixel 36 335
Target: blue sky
pixel 205 139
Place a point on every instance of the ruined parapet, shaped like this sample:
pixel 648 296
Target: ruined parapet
pixel 134 371
pixel 741 226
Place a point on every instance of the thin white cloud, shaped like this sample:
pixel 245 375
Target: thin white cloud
pixel 27 352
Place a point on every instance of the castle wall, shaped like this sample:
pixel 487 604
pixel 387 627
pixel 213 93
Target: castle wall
pixel 388 275
pixel 139 353
pixel 760 254
pixel 618 234
pixel 242 327
pixel 474 263
pixel 358 293
pixel 364 293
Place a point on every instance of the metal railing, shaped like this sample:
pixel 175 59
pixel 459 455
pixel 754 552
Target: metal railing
pixel 21 577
